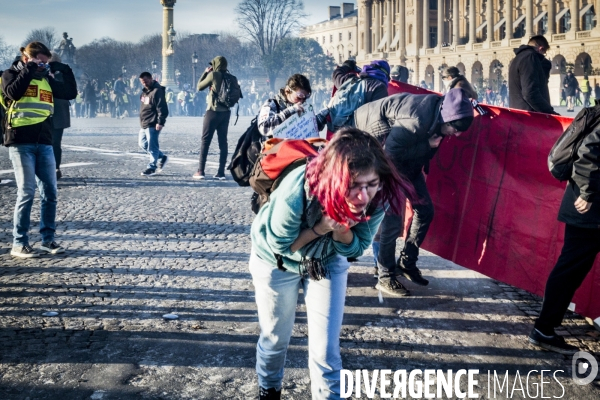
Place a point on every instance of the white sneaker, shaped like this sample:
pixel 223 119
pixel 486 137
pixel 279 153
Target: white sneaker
pixel 25 251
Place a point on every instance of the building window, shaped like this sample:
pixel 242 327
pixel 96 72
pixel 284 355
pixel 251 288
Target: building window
pixel 340 38
pixel 362 40
pixel 323 39
pixel 349 35
pixel 410 34
pixel 588 20
pixel 349 54
pixel 433 32
pixel 565 22
pixel 433 4
pixel 330 38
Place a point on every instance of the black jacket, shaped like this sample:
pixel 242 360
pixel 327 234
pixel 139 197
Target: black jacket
pixel 374 89
pixel 528 82
pixel 571 85
pixel 61 119
pixel 15 82
pixel 153 110
pixel 404 123
pixel 584 183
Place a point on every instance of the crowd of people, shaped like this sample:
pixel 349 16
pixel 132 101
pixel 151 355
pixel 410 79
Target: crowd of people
pixel 325 212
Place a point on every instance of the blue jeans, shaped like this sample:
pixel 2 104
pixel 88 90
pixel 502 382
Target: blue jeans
pixel 148 141
pixel 34 164
pixel 276 294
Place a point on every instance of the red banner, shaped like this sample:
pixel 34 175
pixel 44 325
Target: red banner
pixel 496 204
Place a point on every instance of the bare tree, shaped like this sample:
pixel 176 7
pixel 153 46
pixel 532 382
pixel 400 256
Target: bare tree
pixel 7 54
pixel 45 35
pixel 266 23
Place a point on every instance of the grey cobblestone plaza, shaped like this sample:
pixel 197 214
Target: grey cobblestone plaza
pixel 141 247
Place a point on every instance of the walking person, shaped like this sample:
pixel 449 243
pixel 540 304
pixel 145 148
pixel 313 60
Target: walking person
pixel 528 77
pixel 216 118
pixel 61 120
pixel 586 90
pixel 334 203
pixel 504 95
pixel 412 128
pixel 580 211
pixel 153 115
pixel 29 90
pixel 571 88
pixel 89 99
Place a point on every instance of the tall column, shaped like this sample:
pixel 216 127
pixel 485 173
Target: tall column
pixel 168 62
pixel 425 24
pixel 551 19
pixel 376 25
pixel 529 19
pixel 368 21
pixel 508 23
pixel 388 24
pixel 401 28
pixel 489 18
pixel 574 15
pixel 440 24
pixel 472 22
pixel 455 32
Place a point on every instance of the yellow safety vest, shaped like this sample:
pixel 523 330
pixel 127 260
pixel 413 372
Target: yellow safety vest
pixel 170 97
pixel 36 105
pixel 584 86
pixel 125 99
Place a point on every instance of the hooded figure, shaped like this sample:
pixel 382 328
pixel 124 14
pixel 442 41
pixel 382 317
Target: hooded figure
pixel 412 127
pixel 376 76
pixel 216 117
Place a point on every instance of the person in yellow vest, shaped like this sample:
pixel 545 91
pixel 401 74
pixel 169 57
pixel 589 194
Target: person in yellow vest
pixel 586 89
pixel 170 100
pixel 28 93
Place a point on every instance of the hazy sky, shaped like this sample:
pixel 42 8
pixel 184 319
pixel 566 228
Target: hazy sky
pixel 86 20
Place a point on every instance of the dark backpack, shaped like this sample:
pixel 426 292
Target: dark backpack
pixel 230 92
pixel 564 152
pixel 276 161
pixel 246 153
pixel 347 99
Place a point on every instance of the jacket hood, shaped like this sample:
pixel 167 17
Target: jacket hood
pixel 219 63
pixel 523 48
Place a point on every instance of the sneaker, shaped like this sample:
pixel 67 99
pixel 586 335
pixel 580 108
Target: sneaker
pixel 392 287
pixel 52 248
pixel 199 175
pixel 58 174
pixel 148 172
pixel 554 343
pixel 220 177
pixel 376 273
pixel 413 275
pixel 162 162
pixel 25 251
pixel 269 394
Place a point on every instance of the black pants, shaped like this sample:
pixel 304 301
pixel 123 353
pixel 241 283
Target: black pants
pixel 581 247
pixel 57 135
pixel 219 121
pixel 392 226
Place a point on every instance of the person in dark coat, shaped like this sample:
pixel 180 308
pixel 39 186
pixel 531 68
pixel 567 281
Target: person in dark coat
pixel 452 78
pixel 580 211
pixel 528 81
pixel 412 128
pixel 89 99
pixel 61 120
pixel 571 86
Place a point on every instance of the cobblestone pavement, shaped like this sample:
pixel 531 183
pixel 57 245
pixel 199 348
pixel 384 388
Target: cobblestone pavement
pixel 140 247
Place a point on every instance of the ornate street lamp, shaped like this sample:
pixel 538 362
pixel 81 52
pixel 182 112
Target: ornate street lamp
pixel 194 64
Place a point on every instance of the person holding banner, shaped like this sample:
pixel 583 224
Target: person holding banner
pixel 319 215
pixel 412 128
pixel 580 211
pixel 289 101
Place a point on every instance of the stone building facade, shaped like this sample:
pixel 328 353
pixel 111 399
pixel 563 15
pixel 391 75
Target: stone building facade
pixel 426 35
pixel 338 34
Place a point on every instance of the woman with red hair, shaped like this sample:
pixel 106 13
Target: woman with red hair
pixel 320 215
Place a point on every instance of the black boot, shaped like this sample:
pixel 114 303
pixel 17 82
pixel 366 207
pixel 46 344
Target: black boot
pixel 269 394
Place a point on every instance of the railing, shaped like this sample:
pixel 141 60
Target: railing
pixel 447 50
pixel 515 42
pixel 429 51
pixel 496 44
pixel 561 36
pixel 477 46
pixel 583 34
pixel 461 48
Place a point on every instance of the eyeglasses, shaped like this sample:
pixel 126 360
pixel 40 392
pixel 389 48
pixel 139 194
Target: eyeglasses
pixel 371 187
pixel 300 95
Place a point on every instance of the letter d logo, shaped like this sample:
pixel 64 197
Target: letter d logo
pixel 581 368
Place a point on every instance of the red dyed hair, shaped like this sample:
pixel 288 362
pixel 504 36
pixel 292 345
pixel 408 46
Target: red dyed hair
pixel 352 152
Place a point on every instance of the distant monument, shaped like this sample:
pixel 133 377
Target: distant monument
pixel 66 49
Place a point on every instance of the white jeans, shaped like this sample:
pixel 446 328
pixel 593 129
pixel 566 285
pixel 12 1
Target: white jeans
pixel 276 300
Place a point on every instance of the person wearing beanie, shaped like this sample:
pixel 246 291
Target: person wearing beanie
pixel 412 127
pixel 452 78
